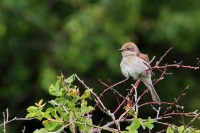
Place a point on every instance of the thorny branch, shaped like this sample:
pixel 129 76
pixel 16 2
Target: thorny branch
pixel 128 103
pixel 159 115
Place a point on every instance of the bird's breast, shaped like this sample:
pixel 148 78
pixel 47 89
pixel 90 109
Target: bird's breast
pixel 133 67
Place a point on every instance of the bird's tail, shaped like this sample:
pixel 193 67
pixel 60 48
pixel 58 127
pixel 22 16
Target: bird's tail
pixel 154 95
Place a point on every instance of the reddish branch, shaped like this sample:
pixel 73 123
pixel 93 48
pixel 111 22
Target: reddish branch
pixel 176 100
pixel 165 115
pixel 107 89
pixel 129 94
pixel 102 94
pixel 174 65
pixel 150 103
pixel 183 114
pixel 161 58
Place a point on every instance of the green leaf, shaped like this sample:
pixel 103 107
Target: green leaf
pixel 54 103
pixel 180 129
pixel 171 129
pixel 86 94
pixel 83 103
pixel 32 109
pixel 86 109
pixel 149 124
pixel 54 91
pixel 150 120
pixel 42 130
pixel 134 125
pixel 196 131
pixel 132 112
pixel 33 112
pixel 70 79
pixel 63 115
pixel 46 115
pixel 49 110
pixel 51 126
pixel 84 125
pixel 58 82
pixel 70 105
pixel 125 132
pixel 141 123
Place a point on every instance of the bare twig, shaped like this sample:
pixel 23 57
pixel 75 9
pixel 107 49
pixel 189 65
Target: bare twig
pixel 4 123
pixel 113 86
pixel 169 108
pixel 17 119
pixel 98 101
pixel 23 130
pixel 161 58
pixel 174 65
pixel 130 92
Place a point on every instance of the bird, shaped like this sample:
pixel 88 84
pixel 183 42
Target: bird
pixel 135 64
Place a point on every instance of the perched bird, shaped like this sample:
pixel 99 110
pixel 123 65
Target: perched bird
pixel 135 64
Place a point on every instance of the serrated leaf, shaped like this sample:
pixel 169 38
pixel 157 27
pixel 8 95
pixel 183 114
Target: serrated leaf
pixel 33 112
pixel 58 82
pixel 149 124
pixel 171 129
pixel 180 129
pixel 134 125
pixel 40 131
pixel 46 115
pixel 70 79
pixel 29 115
pixel 150 120
pixel 86 109
pixel 141 123
pixel 54 91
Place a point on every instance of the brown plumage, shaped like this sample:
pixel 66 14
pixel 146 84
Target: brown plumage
pixel 135 64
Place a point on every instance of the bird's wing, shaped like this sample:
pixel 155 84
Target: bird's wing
pixel 144 57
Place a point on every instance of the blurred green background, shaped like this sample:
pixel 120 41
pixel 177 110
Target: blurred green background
pixel 38 39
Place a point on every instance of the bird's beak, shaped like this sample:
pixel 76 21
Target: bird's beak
pixel 121 50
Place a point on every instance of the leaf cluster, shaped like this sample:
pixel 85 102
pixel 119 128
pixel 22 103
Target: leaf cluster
pixel 68 110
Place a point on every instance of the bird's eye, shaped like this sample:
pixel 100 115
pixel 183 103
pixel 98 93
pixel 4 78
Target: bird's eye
pixel 128 48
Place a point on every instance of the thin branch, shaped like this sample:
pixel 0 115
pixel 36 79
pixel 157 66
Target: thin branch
pixel 17 119
pixel 23 130
pixel 169 108
pixel 130 92
pixel 102 94
pixel 174 65
pixel 161 58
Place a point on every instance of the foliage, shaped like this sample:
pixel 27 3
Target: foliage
pixel 68 111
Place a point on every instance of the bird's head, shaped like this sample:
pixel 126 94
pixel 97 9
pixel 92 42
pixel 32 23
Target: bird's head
pixel 129 49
